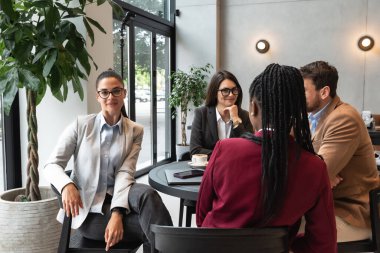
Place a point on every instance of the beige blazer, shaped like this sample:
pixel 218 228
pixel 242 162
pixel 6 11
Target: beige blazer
pixel 342 139
pixel 81 139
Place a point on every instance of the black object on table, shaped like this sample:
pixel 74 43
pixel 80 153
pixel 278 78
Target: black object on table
pixel 188 194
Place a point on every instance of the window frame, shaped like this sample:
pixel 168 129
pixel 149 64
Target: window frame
pixel 156 25
pixel 12 147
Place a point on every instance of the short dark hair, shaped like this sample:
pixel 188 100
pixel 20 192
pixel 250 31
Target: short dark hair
pixel 106 74
pixel 213 87
pixel 322 74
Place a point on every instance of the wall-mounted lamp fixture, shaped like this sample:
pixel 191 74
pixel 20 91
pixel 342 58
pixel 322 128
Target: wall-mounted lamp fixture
pixel 365 43
pixel 262 46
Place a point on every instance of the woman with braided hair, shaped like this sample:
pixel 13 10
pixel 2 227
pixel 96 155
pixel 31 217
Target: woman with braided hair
pixel 272 177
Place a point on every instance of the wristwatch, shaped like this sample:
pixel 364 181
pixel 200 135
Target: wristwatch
pixel 236 122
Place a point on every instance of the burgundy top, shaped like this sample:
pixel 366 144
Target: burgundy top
pixel 230 192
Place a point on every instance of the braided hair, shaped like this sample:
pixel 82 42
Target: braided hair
pixel 279 92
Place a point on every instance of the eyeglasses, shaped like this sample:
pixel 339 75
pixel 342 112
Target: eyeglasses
pixel 116 92
pixel 226 91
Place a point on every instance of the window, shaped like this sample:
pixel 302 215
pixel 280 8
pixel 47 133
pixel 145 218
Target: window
pixel 10 155
pixel 159 8
pixel 145 62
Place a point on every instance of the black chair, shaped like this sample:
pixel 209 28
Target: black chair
pixel 78 243
pixel 369 245
pixel 189 204
pixel 219 240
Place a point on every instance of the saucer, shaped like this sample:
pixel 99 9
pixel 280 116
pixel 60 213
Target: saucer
pixel 198 166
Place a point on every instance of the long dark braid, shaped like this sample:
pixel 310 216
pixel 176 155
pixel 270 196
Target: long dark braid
pixel 280 94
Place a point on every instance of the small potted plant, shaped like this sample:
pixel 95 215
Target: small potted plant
pixel 40 48
pixel 187 87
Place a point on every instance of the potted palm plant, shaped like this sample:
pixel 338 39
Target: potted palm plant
pixel 187 87
pixel 40 48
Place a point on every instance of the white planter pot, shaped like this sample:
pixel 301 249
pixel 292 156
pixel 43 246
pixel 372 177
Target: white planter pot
pixel 29 226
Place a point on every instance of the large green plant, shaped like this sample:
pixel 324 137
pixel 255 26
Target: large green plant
pixel 188 87
pixel 41 48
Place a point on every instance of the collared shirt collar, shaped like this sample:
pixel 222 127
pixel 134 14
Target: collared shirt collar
pixel 317 116
pixel 103 122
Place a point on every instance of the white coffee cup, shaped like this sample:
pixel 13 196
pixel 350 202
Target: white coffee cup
pixel 367 118
pixel 199 159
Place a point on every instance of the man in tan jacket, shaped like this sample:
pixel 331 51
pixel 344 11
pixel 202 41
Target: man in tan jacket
pixel 341 138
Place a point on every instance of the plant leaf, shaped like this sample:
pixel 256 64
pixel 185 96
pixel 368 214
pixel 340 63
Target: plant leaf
pixel 41 92
pixel 89 30
pixel 77 85
pixel 96 24
pixel 51 59
pixel 7 7
pixel 39 54
pixel 40 3
pixel 83 59
pixel 100 2
pixel 29 79
pixel 116 9
pixel 52 19
pixel 10 90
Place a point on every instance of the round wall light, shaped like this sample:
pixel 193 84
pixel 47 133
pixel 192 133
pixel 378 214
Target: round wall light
pixel 262 46
pixel 365 43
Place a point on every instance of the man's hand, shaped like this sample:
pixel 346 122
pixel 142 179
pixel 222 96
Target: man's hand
pixel 71 200
pixel 114 230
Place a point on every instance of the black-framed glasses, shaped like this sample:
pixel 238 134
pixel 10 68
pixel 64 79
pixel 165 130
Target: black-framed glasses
pixel 226 91
pixel 116 92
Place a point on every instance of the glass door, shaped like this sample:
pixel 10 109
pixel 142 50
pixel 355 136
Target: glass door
pixel 162 94
pixel 143 93
pixel 145 69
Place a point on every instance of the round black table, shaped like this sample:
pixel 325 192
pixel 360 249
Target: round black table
pixel 188 194
pixel 157 179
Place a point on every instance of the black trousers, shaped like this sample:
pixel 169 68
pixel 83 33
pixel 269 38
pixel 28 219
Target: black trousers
pixel 146 208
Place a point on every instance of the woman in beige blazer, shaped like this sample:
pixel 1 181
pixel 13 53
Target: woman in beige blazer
pixel 101 193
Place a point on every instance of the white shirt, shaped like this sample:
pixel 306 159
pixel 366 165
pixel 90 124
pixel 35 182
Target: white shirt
pixel 224 129
pixel 110 155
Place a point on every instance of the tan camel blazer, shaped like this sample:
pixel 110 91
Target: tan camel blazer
pixel 342 139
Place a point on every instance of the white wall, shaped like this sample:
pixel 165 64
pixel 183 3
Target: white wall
pixel 298 31
pixel 196 40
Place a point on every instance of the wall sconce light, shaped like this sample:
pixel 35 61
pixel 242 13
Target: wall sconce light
pixel 365 43
pixel 262 46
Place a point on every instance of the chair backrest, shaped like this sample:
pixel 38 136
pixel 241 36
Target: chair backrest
pixel 219 240
pixel 374 201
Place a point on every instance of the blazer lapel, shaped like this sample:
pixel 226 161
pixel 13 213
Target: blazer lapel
pixel 211 121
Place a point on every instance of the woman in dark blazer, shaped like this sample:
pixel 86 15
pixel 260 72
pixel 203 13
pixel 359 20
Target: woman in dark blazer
pixel 221 117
